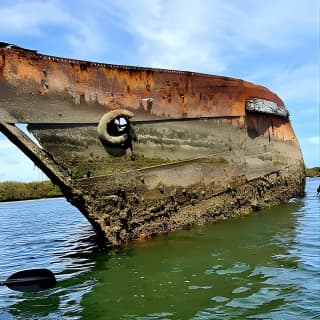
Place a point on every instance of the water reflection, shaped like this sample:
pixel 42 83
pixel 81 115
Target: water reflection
pixel 264 266
pixel 199 274
pixel 33 235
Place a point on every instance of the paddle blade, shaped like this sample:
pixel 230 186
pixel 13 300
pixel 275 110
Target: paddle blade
pixel 31 280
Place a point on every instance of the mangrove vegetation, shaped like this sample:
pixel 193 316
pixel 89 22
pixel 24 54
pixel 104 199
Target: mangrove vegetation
pixel 13 191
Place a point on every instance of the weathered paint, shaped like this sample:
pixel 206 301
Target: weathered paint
pixel 90 89
pixel 266 106
pixel 196 151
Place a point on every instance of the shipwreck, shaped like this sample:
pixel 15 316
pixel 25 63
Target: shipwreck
pixel 144 151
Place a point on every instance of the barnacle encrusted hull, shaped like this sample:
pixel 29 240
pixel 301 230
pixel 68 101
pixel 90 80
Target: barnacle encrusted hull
pixel 143 151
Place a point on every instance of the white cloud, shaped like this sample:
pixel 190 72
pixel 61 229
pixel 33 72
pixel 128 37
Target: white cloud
pixel 165 35
pixel 32 18
pixel 86 42
pixel 313 140
pixel 297 85
pixel 203 35
pixel 274 24
pixel 206 35
pixel 272 43
pixel 28 17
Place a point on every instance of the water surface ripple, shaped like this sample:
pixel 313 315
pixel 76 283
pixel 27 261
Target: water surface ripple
pixel 263 266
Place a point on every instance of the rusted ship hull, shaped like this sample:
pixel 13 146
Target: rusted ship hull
pixel 142 151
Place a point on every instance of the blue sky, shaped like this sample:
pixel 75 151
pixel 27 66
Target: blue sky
pixel 274 43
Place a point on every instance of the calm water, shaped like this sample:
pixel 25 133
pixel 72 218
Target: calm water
pixel 264 266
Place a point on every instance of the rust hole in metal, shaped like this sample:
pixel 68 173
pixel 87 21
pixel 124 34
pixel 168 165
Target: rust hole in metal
pixel 118 126
pixel 44 84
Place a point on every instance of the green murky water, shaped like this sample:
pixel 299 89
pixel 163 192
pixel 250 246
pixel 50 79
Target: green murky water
pixel 263 266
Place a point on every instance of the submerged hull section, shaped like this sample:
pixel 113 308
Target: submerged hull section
pixel 145 151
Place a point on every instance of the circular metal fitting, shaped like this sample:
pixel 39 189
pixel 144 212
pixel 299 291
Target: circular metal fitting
pixel 113 127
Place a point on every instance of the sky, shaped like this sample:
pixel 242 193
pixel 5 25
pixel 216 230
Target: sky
pixel 273 43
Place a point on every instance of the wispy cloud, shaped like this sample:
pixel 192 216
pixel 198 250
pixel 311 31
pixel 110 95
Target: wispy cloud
pixel 29 17
pixel 313 140
pixel 207 35
pixel 273 43
pixel 78 33
pixel 203 35
pixel 86 42
pixel 164 34
pixel 295 83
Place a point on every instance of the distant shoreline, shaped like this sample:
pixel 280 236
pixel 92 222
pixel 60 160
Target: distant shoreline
pixel 33 199
pixel 313 172
pixel 11 191
pixel 20 191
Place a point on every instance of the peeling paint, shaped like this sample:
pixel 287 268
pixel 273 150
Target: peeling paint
pixel 191 148
pixel 265 106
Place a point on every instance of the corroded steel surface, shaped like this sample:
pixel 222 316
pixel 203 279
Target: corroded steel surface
pixel 179 148
pixel 104 87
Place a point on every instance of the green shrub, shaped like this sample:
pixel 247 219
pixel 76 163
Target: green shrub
pixel 12 191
